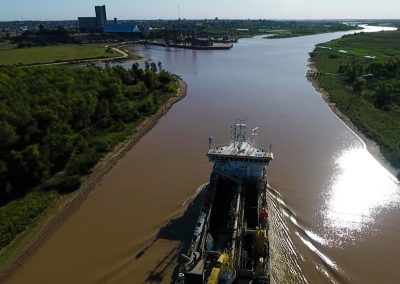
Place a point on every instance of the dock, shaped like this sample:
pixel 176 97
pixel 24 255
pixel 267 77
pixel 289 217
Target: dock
pixel 214 46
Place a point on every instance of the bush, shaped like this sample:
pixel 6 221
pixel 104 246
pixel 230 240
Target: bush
pixel 69 184
pixel 17 215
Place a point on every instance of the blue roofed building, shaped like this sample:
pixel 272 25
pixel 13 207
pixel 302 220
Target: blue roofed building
pixel 127 28
pixel 122 28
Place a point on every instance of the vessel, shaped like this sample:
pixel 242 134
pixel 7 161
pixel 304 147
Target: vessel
pixel 230 241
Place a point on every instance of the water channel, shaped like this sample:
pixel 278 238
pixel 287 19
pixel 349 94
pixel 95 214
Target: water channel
pixel 336 209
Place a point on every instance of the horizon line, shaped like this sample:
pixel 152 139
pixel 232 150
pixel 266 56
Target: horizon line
pixel 221 19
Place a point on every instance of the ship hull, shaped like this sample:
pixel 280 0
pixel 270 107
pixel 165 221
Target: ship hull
pixel 230 244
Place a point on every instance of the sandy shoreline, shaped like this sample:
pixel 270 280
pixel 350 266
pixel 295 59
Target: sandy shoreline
pixel 68 206
pixel 370 145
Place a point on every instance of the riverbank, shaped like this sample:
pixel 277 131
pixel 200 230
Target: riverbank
pixel 370 144
pixel 67 205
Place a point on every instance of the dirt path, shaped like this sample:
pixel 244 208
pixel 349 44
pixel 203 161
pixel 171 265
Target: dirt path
pixel 68 206
pixel 124 56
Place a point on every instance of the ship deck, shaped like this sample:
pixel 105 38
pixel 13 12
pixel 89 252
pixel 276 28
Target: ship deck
pixel 245 149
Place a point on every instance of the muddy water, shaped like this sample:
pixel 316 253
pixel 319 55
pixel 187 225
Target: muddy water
pixel 335 208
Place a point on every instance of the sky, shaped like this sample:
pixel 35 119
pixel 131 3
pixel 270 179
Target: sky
pixel 201 9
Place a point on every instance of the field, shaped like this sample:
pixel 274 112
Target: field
pixel 381 44
pixel 49 54
pixel 361 74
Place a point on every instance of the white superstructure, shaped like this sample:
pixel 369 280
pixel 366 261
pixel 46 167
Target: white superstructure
pixel 240 159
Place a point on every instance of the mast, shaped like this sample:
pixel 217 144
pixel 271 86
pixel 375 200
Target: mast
pixel 238 134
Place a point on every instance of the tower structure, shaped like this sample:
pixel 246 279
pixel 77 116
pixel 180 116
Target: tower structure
pixel 101 16
pixel 94 24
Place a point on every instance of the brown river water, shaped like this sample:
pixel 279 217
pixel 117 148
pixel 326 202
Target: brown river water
pixel 335 209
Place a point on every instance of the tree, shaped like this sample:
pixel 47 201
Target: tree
pixel 354 71
pixel 359 84
pixel 8 136
pixel 135 68
pixel 153 67
pixel 383 95
pixel 146 66
pixel 150 80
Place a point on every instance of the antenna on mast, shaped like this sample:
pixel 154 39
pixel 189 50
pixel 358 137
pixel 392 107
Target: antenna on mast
pixel 179 12
pixel 254 133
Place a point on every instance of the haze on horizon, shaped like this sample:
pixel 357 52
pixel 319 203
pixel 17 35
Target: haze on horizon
pixel 194 9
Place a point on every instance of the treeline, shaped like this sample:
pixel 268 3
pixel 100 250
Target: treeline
pixel 57 122
pixel 381 79
pixel 303 29
pixel 44 37
pixel 61 35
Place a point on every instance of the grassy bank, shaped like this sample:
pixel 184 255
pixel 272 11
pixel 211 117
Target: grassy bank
pixel 361 76
pixel 310 29
pixel 57 124
pixel 57 53
pixel 19 220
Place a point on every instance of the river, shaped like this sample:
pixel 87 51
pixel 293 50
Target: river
pixel 335 208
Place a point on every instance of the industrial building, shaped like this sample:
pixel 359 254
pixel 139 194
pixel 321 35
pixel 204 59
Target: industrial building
pixel 129 27
pixel 122 28
pixel 99 24
pixel 94 24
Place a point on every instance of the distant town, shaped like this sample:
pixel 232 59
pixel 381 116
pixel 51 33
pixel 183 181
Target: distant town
pixel 180 32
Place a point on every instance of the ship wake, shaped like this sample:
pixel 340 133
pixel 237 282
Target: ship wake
pixel 292 245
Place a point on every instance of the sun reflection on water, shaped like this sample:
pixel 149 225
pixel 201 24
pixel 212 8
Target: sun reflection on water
pixel 359 189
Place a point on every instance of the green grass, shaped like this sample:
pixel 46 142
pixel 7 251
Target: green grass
pixel 49 54
pixel 382 126
pixel 28 213
pixel 380 44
